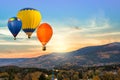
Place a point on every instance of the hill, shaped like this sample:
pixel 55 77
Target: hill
pixel 89 56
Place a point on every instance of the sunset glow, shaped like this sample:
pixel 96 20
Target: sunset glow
pixel 76 24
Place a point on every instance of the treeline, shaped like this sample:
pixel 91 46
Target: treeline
pixel 106 72
pixel 110 72
pixel 17 73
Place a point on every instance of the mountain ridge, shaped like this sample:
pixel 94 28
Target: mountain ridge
pixel 91 55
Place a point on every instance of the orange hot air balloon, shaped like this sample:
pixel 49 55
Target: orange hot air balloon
pixel 44 34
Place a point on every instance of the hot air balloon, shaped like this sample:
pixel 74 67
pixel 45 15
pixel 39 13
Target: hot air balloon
pixel 44 34
pixel 30 20
pixel 14 25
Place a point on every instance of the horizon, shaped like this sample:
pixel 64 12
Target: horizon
pixel 76 24
pixel 56 52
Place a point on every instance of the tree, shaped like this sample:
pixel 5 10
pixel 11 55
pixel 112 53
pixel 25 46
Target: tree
pixel 96 78
pixel 108 76
pixel 85 77
pixel 59 76
pixel 42 77
pixel 75 77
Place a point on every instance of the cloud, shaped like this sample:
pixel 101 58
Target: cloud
pixel 93 28
pixel 94 25
pixel 3 23
pixel 6 38
pixel 4 31
pixel 66 37
pixel 93 32
pixel 106 34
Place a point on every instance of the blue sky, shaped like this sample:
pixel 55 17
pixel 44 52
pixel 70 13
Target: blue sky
pixel 97 20
pixel 62 9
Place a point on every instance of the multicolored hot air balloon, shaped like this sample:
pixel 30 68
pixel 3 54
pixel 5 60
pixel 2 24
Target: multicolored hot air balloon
pixel 14 25
pixel 30 18
pixel 44 34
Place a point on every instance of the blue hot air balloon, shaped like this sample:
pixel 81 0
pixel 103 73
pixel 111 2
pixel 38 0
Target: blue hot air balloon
pixel 14 25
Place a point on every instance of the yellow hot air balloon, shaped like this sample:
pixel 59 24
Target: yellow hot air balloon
pixel 30 18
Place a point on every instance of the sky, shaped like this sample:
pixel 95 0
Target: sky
pixel 76 24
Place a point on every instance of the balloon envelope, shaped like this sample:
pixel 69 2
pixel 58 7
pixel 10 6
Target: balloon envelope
pixel 44 33
pixel 30 20
pixel 14 25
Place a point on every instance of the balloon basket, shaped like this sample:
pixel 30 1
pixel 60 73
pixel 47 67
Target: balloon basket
pixel 14 38
pixel 29 37
pixel 44 48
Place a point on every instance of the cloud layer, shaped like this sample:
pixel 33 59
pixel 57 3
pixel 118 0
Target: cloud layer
pixel 66 37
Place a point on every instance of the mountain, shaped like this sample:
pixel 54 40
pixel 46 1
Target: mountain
pixel 6 61
pixel 88 56
pixel 92 55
